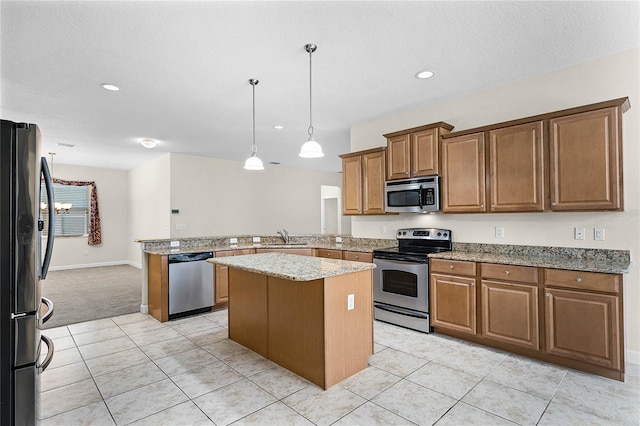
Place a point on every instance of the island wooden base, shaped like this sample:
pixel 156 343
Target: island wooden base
pixel 304 326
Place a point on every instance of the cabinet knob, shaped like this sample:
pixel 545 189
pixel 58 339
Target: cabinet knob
pixel 357 257
pixel 406 173
pixel 482 206
pixel 328 254
pixel 507 272
pixel 484 286
pixel 553 203
pixel 450 266
pixel 472 284
pixel 578 280
pixel 548 294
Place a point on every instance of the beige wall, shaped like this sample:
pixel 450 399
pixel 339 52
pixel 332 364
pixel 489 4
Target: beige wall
pixel 113 202
pixel 219 197
pixel 149 203
pixel 607 78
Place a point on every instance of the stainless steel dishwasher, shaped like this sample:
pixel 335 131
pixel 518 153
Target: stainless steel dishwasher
pixel 190 284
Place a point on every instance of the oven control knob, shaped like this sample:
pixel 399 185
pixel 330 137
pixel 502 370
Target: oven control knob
pixel 444 235
pixel 439 234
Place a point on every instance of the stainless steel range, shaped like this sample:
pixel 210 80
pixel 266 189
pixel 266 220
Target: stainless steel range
pixel 401 279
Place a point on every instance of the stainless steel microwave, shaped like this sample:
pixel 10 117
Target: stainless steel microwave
pixel 417 195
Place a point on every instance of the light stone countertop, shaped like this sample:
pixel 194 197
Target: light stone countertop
pixel 291 266
pixel 610 265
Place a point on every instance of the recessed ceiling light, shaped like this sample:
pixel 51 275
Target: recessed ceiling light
pixel 278 127
pixel 424 74
pixel 110 87
pixel 148 143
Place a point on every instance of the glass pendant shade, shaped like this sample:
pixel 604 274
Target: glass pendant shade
pixel 253 163
pixel 311 149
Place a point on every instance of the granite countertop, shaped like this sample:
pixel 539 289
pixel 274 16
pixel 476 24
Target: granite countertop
pixel 293 267
pixel 587 260
pixel 352 246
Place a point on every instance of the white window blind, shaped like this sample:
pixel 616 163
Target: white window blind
pixel 75 220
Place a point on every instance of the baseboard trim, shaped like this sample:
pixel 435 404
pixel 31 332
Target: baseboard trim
pixel 632 357
pixel 95 265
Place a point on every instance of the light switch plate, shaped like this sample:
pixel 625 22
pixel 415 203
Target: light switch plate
pixel 579 233
pixel 350 302
pixel 598 234
pixel 181 227
pixel 499 231
pixel 175 244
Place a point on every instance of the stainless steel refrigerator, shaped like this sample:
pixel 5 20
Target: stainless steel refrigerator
pixel 22 347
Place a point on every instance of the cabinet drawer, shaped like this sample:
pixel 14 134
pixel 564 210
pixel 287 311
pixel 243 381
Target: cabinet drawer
pixel 357 256
pixel 234 252
pixel 330 254
pixel 525 274
pixel 461 267
pixel 609 283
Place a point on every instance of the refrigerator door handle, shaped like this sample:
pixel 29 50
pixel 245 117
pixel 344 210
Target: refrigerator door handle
pixel 49 357
pixel 51 216
pixel 47 315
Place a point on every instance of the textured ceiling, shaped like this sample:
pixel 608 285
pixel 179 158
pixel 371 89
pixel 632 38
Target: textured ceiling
pixel 183 68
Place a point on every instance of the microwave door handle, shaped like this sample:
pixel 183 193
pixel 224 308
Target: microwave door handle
pixel 420 197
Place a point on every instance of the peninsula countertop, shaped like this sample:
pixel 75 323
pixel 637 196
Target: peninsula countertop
pixel 291 266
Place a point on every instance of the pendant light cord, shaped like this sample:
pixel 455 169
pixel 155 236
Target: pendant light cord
pixel 310 50
pixel 254 148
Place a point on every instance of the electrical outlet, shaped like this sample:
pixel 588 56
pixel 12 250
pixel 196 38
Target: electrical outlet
pixel 181 227
pixel 383 229
pixel 175 244
pixel 256 239
pixel 233 241
pixel 338 239
pixel 598 234
pixel 579 233
pixel 499 231
pixel 86 253
pixel 350 302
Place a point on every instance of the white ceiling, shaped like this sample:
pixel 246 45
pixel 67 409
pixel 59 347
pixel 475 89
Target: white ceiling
pixel 183 68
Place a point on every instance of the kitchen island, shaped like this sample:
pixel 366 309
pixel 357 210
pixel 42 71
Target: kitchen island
pixel 310 315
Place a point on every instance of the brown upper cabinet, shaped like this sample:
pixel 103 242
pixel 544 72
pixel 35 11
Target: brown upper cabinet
pixel 415 152
pixel 363 175
pixel 516 168
pixel 569 160
pixel 586 160
pixel 463 174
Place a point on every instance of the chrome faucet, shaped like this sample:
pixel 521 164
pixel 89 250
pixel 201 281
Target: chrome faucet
pixel 285 235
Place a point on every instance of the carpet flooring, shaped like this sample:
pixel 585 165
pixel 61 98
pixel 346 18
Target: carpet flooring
pixel 86 294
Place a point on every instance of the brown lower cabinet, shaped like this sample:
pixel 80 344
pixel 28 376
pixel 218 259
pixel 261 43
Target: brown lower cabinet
pixel 221 279
pixel 570 318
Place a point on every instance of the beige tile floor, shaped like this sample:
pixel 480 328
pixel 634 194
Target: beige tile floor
pixel 135 370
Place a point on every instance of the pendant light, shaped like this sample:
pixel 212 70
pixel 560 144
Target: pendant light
pixel 253 162
pixel 311 148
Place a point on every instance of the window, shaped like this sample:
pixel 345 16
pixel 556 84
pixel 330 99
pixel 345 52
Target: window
pixel 72 210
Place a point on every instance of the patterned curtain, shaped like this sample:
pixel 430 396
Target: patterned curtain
pixel 95 232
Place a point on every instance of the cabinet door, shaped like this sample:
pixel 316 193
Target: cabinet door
pixel 516 168
pixel 373 182
pixel 585 161
pixel 463 174
pixel 221 284
pixel 510 313
pixel 399 164
pixel 221 279
pixel 583 326
pixel 352 185
pixel 424 153
pixel 453 303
